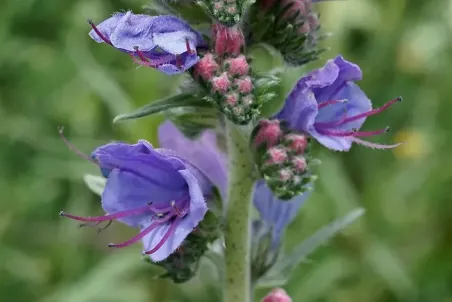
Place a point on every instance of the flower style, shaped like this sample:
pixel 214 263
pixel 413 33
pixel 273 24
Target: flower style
pixel 162 42
pixel 330 107
pixel 153 190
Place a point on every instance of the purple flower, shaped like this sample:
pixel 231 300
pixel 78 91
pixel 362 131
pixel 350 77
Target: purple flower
pixel 330 107
pixel 163 42
pixel 153 190
pixel 203 152
pixel 275 213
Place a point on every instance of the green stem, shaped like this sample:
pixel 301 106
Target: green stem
pixel 238 216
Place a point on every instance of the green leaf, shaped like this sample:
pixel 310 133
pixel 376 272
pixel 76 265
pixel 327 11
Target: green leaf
pixel 280 273
pixel 176 101
pixel 191 121
pixel 95 183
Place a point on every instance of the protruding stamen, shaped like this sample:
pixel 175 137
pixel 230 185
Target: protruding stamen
pixel 371 112
pixel 73 148
pixel 371 133
pixel 155 63
pixel 374 145
pixel 176 209
pixel 187 44
pixel 326 103
pixel 140 235
pixel 140 54
pixel 107 217
pixel 168 234
pixel 101 35
pixel 338 133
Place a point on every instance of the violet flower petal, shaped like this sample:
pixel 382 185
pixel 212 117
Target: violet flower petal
pixel 184 226
pixel 202 153
pixel 276 213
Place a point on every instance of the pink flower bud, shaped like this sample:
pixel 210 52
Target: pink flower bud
pixel 285 174
pixel 231 9
pixel 228 40
pixel 297 142
pixel 276 156
pixel 218 5
pixel 237 66
pixel 270 132
pixel 299 163
pixel 245 85
pixel 232 98
pixel 221 83
pixel 206 67
pixel 277 295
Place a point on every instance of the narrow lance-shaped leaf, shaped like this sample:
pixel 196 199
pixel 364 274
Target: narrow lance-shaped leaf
pixel 176 101
pixel 282 270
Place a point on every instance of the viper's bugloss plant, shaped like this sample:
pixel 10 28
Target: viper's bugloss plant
pixel 220 156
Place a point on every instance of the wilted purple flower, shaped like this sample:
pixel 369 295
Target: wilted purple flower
pixel 163 42
pixel 202 153
pixel 330 107
pixel 275 213
pixel 153 190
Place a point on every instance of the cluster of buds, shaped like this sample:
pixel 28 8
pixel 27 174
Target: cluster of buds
pixel 226 73
pixel 183 264
pixel 281 157
pixel 226 12
pixel 288 25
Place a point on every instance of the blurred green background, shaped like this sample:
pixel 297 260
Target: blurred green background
pixel 52 74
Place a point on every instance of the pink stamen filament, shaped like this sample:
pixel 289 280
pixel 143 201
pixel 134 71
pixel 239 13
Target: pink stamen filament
pixel 189 50
pixel 140 235
pixel 332 124
pixel 107 217
pixel 176 209
pixel 338 133
pixel 101 35
pixel 353 132
pixel 370 133
pixel 154 63
pixel 326 103
pixel 168 234
pixel 73 148
pixel 140 54
pixel 371 112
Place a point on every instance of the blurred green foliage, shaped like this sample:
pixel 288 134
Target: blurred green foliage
pixel 52 74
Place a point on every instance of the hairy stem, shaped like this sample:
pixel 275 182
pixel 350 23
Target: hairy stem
pixel 238 216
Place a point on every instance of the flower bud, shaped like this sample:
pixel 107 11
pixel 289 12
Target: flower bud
pixel 280 155
pixel 207 67
pixel 277 295
pixel 267 132
pixel 237 66
pixel 183 264
pixel 288 25
pixel 228 40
